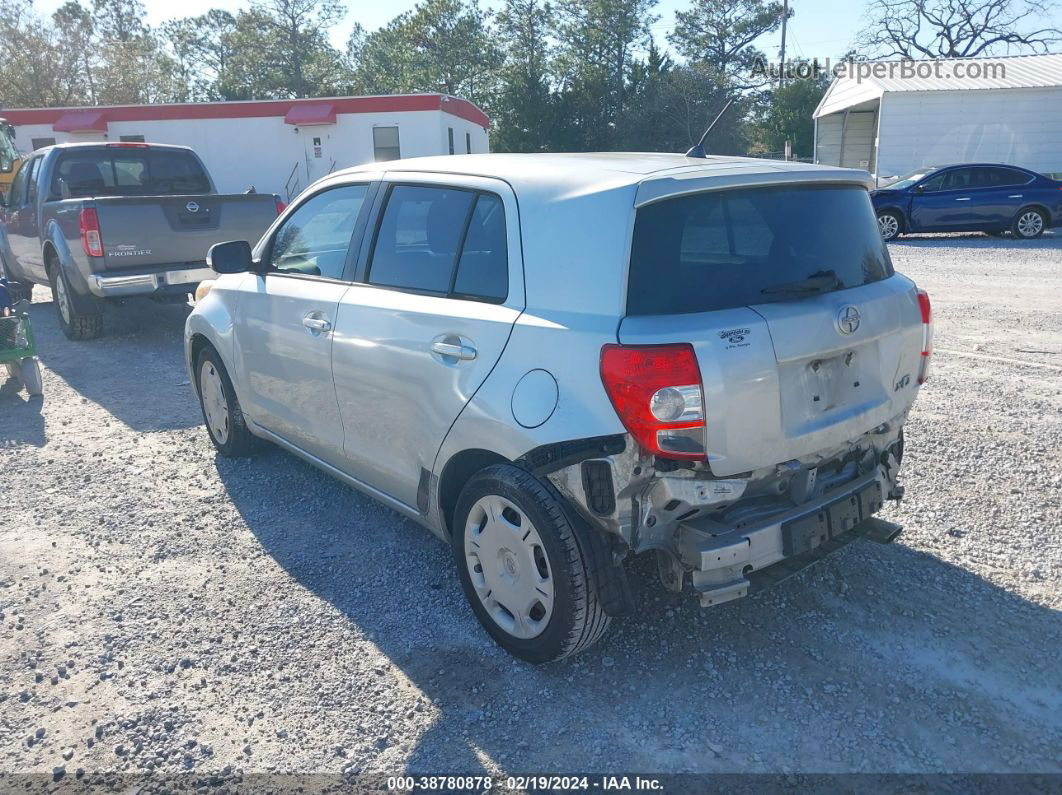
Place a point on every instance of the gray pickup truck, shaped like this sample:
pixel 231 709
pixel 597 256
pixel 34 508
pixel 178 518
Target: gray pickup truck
pixel 111 220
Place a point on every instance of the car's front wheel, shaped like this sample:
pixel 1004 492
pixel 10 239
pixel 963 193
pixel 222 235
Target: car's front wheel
pixel 1029 223
pixel 890 225
pixel 522 567
pixel 221 409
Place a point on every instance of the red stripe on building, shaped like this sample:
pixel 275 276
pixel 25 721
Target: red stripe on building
pixel 461 108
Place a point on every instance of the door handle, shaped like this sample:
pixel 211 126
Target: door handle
pixel 963 199
pixel 1016 196
pixel 453 350
pixel 318 324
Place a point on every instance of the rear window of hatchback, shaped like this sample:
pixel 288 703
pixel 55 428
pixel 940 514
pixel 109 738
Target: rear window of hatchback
pixel 725 249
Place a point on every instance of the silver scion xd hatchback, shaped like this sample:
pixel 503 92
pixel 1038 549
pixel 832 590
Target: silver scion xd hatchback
pixel 557 361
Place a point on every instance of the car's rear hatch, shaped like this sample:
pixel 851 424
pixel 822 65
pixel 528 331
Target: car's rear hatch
pixel 804 336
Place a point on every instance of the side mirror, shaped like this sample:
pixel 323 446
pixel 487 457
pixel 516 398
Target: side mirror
pixel 919 188
pixel 231 257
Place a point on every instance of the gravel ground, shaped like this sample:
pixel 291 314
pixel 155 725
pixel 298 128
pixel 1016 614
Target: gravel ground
pixel 163 609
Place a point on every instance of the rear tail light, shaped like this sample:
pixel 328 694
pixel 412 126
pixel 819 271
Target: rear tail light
pixel 281 207
pixel 91 240
pixel 656 391
pixel 927 335
pixel 129 145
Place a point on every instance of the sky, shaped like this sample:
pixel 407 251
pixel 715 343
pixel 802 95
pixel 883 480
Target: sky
pixel 819 28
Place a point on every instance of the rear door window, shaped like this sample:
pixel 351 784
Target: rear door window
pixel 724 249
pixel 442 240
pixel 1007 177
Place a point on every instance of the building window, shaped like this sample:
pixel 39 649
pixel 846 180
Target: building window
pixel 40 143
pixel 385 143
pixel 468 143
pixel 131 139
pixel 450 131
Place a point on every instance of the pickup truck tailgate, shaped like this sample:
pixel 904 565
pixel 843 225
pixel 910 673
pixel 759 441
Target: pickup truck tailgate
pixel 141 231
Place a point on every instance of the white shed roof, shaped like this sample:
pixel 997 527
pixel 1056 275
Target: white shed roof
pixel 957 74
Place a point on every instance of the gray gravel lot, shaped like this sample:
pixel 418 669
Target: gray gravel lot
pixel 163 609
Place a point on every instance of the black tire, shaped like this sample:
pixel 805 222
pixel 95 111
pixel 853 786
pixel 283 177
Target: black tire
pixel 890 224
pixel 76 325
pixel 238 441
pixel 577 620
pixel 1024 227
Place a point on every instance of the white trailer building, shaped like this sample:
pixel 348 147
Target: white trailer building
pixel 277 146
pixel 891 118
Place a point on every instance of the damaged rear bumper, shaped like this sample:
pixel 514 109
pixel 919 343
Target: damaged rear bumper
pixel 727 563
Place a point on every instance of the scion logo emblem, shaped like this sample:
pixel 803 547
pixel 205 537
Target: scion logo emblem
pixel 192 207
pixel 848 320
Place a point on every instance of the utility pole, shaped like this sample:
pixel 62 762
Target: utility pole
pixel 785 20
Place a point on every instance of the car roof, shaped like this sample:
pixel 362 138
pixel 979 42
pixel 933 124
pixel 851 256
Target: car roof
pixel 979 165
pixel 538 172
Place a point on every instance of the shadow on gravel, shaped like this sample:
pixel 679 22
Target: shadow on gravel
pixel 145 341
pixel 1049 240
pixel 21 423
pixel 879 659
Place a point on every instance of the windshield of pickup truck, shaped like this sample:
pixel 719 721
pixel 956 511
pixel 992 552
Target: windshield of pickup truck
pixel 725 249
pixel 129 172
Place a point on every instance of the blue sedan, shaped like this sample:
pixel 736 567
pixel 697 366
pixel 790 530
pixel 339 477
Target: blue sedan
pixel 969 198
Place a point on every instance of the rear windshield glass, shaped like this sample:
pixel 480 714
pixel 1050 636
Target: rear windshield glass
pixel 725 249
pixel 130 172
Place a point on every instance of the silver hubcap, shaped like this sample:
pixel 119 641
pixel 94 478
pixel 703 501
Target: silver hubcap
pixel 61 297
pixel 1030 224
pixel 215 407
pixel 507 563
pixel 888 226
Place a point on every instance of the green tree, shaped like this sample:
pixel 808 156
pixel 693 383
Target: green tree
pixel 721 34
pixel 441 45
pixel 38 67
pixel 523 112
pixel 597 40
pixel 202 50
pixel 787 116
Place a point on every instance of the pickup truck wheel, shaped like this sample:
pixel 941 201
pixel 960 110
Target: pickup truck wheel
pixel 1029 223
pixel 75 325
pixel 522 568
pixel 221 410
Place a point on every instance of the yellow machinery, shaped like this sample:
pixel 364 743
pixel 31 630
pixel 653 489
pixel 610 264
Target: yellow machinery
pixel 10 159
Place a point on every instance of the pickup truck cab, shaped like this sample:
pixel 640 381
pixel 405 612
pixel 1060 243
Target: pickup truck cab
pixel 555 362
pixel 110 220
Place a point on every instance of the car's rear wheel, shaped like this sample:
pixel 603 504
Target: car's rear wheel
pixel 522 567
pixel 221 409
pixel 1029 223
pixel 76 325
pixel 890 224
